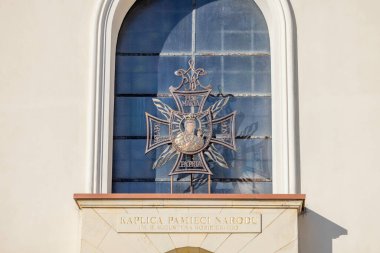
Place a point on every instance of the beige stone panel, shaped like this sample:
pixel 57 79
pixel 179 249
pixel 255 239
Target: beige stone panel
pixel 265 204
pixel 88 248
pixel 94 227
pixel 195 240
pixel 213 241
pixel 126 242
pixel 278 234
pixel 180 240
pixel 269 215
pixel 111 203
pixel 236 210
pixel 142 211
pixel 187 210
pixel 235 242
pixel 172 210
pixel 198 203
pixel 110 215
pixel 153 202
pixel 162 242
pixel 181 203
pixel 208 211
pixel 290 248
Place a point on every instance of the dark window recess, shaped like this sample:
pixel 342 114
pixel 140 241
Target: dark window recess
pixel 230 40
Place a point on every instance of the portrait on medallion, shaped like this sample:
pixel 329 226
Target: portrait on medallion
pixel 187 141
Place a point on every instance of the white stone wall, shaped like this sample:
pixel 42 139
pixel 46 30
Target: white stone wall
pixel 46 94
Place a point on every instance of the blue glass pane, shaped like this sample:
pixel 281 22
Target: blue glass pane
pixel 253 114
pixel 183 187
pixel 147 74
pixel 156 26
pixel 138 187
pixel 237 74
pixel 130 160
pixel 200 184
pixel 251 160
pixel 129 114
pixel 230 25
pixel 250 163
pixel 154 187
pixel 253 117
pixel 222 26
pixel 242 187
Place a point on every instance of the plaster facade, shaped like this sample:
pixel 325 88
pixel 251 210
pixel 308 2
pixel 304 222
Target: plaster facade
pixel 47 75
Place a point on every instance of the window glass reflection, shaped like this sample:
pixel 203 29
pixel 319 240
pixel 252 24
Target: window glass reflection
pixel 229 39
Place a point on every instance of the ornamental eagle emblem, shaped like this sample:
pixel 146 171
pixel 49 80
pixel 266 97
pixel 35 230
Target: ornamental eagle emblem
pixel 191 131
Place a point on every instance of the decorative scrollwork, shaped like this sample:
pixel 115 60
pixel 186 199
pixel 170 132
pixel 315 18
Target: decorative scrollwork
pixel 190 77
pixel 190 131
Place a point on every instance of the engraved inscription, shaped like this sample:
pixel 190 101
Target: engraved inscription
pixel 190 164
pixel 191 101
pixel 157 134
pixel 225 132
pixel 195 223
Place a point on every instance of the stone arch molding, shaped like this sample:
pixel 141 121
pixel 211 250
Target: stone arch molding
pixel 281 29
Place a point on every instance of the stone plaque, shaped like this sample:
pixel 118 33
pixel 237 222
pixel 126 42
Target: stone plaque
pixel 189 223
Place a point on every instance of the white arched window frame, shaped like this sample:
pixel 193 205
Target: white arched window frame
pixel 281 31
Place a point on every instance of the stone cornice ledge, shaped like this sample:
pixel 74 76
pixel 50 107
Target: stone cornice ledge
pixel 287 201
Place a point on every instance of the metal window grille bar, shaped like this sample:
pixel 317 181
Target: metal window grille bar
pixel 239 137
pixel 224 53
pixel 164 95
pixel 216 180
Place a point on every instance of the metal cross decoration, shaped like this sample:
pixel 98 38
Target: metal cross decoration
pixel 190 132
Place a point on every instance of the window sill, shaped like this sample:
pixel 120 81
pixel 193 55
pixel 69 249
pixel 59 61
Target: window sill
pixel 293 201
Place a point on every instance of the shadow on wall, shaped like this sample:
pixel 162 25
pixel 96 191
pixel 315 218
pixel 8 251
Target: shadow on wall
pixel 316 233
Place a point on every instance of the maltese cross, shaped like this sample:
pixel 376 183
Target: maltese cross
pixel 191 131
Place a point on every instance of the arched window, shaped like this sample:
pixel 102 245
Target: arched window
pixel 230 40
